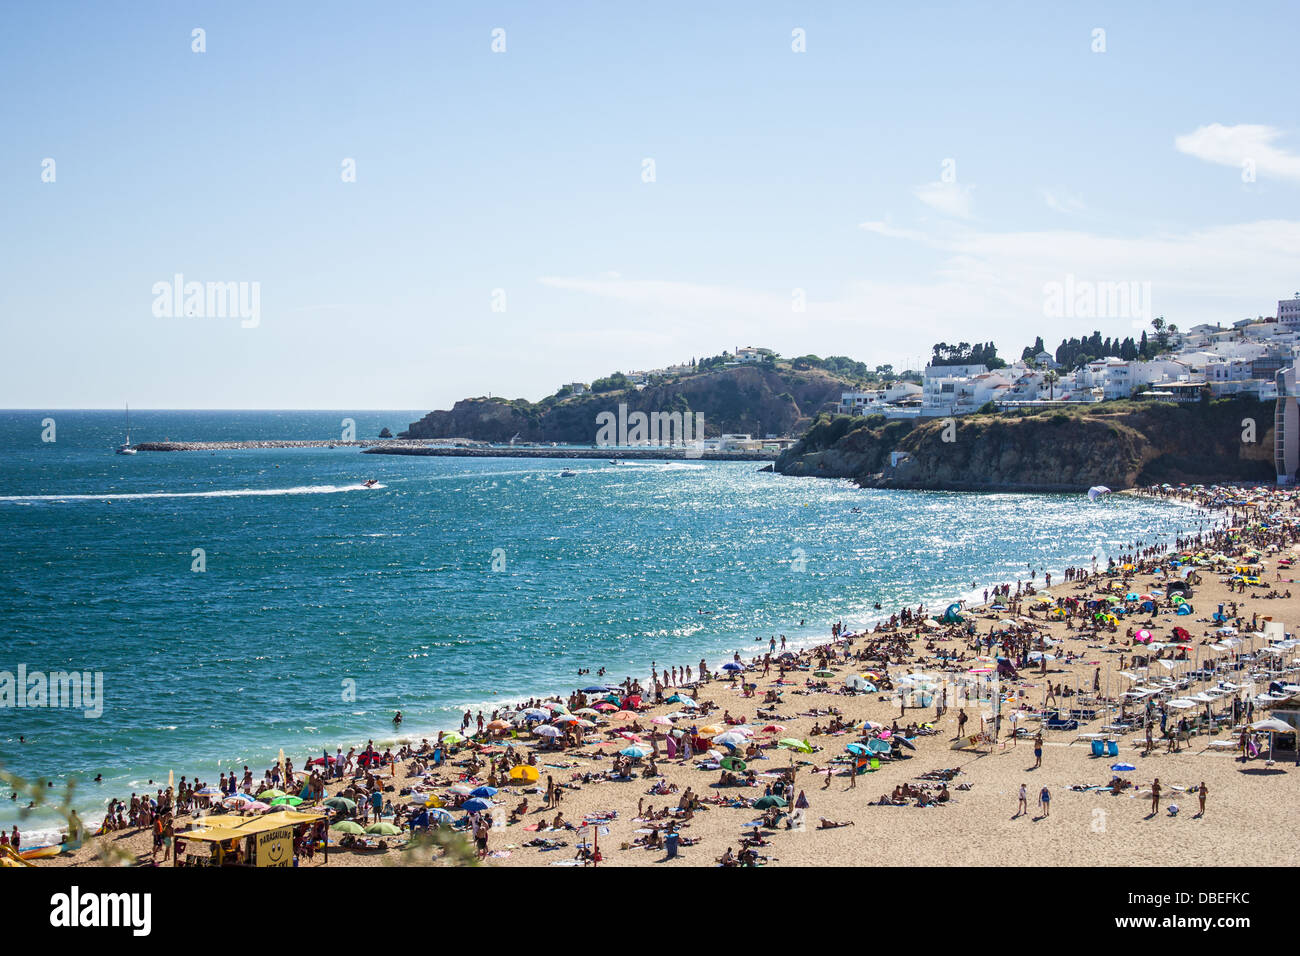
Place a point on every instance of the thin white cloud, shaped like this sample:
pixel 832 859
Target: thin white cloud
pixel 1241 144
pixel 1063 202
pixel 976 285
pixel 951 199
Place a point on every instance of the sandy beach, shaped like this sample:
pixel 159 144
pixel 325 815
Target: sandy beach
pixel 1249 805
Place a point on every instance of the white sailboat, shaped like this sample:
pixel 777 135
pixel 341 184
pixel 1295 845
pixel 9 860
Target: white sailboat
pixel 125 448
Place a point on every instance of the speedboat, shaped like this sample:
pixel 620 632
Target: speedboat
pixel 568 474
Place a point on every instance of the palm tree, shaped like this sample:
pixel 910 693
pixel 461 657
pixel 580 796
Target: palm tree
pixel 1051 378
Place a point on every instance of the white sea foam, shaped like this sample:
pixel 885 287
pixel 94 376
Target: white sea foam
pixel 227 493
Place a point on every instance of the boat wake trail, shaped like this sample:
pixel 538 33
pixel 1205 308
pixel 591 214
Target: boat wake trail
pixel 229 493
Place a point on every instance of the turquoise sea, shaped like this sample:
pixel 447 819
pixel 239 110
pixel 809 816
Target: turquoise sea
pixel 454 584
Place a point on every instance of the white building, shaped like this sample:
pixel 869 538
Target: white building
pixel 1288 313
pixel 879 400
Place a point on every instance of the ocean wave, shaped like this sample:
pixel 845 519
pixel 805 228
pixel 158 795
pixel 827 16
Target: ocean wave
pixel 226 493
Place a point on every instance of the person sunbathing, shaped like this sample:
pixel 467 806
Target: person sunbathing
pixel 825 824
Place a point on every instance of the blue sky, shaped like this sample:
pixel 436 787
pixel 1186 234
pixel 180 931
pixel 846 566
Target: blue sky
pixel 775 171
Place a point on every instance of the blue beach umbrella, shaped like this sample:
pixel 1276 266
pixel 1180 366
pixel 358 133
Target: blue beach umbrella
pixel 483 792
pixel 441 818
pixel 858 749
pixel 595 690
pixel 634 751
pixel 733 666
pixel 477 804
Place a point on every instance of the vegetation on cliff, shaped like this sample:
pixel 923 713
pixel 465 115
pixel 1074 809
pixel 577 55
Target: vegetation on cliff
pixel 1119 444
pixel 760 398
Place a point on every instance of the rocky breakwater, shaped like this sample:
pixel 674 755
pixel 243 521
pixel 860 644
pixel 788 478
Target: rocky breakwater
pixel 231 445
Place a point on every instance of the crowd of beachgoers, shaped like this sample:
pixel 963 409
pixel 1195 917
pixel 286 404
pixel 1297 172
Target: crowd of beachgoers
pixel 1156 650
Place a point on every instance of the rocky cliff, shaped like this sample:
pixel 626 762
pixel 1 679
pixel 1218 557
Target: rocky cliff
pixel 1117 444
pixel 745 399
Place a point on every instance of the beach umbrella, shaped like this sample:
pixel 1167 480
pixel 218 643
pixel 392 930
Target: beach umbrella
pixel 774 729
pixel 555 707
pixel 286 801
pixel 476 804
pixel 587 712
pixel 858 749
pixel 762 803
pixel 623 716
pixel 708 730
pixel 524 774
pixel 687 704
pixel 498 725
pixel 606 705
pixel 792 744
pixel 347 826
pixel 536 714
pixel 383 828
pixel 484 791
pixel 546 730
pixel 596 689
pixel 451 737
pixel 731 739
pixel 586 724
pixel 628 735
pixel 823 673
pixel 733 666
pixel 341 803
pixel 661 721
pixel 1273 725
pixel 257 805
pixel 207 792
pixel 441 818
pixel 733 763
pixel 567 719
pixel 268 794
pixel 636 750
pixel 460 789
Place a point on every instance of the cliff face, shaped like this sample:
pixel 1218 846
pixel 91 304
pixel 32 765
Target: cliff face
pixel 1119 445
pixel 745 399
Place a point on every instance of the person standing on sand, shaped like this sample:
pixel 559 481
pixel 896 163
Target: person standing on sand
pixel 1201 792
pixel 1155 797
pixel 1045 801
pixel 1023 806
pixel 961 722
pixel 1038 750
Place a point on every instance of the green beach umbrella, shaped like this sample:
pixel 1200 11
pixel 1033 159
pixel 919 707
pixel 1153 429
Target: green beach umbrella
pixel 762 803
pixel 823 673
pixel 347 826
pixel 286 801
pixel 341 803
pixel 383 828
pixel 793 744
pixel 733 763
pixel 271 794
